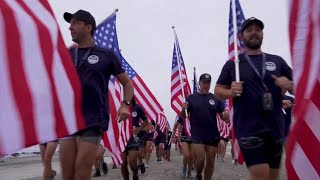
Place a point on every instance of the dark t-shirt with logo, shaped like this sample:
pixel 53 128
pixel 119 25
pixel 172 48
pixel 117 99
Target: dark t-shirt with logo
pixel 95 66
pixel 203 110
pixel 137 114
pixel 249 117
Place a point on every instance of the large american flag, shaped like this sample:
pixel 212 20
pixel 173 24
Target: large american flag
pixel 119 133
pixel 40 92
pixel 231 52
pixel 180 88
pixel 240 18
pixel 303 146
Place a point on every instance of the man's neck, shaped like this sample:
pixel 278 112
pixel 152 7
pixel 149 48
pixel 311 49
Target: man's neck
pixel 249 51
pixel 86 43
pixel 203 92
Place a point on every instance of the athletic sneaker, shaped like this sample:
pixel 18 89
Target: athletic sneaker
pixel 183 174
pixel 142 168
pixel 235 162
pixel 198 177
pixel 54 173
pixel 104 168
pixel 97 173
pixel 189 175
pixel 160 161
pixel 135 178
pixel 146 165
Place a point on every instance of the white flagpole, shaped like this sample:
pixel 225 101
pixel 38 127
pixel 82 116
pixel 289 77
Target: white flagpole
pixel 179 66
pixel 235 39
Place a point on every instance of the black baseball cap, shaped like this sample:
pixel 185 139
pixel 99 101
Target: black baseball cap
pixel 81 15
pixel 205 77
pixel 250 21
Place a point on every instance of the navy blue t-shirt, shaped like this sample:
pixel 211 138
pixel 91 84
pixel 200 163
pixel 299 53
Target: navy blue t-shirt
pixel 183 130
pixel 137 114
pixel 203 110
pixel 95 66
pixel 249 117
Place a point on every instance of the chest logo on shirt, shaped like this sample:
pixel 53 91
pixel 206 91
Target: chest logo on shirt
pixel 93 59
pixel 211 101
pixel 271 66
pixel 134 114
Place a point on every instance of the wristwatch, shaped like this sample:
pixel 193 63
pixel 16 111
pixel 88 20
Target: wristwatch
pixel 126 102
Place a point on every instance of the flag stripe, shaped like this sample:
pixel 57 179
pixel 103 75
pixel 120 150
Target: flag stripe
pixel 11 117
pixel 304 140
pixel 44 41
pixel 20 88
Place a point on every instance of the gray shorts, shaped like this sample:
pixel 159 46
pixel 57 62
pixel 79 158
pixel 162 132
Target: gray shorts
pixel 91 134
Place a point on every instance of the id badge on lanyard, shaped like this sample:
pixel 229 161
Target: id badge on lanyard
pixel 267 101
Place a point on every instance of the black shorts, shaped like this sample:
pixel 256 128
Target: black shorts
pixel 149 137
pixel 159 140
pixel 261 149
pixel 167 147
pixel 45 144
pixel 142 138
pixel 214 142
pixel 91 134
pixel 186 139
pixel 132 145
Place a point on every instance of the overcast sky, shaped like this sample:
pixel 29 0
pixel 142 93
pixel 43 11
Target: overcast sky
pixel 146 38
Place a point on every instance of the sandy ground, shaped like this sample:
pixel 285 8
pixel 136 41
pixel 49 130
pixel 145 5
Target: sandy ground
pixel 30 168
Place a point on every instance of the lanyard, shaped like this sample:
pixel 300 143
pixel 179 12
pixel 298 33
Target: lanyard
pixel 76 54
pixel 256 70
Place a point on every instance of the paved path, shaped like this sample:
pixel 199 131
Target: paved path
pixel 30 168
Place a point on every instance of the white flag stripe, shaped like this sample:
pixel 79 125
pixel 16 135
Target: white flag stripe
pixel 142 101
pixel 41 97
pixel 302 165
pixel 147 95
pixel 63 87
pixel 9 114
pixel 312 119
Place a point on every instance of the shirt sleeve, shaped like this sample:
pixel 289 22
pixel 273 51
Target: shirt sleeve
pixel 117 66
pixel 220 106
pixel 225 77
pixel 286 70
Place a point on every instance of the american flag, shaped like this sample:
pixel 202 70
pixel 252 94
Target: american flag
pixel 240 18
pixel 106 37
pixel 223 127
pixel 180 88
pixel 231 51
pixel 303 145
pixel 195 81
pixel 40 92
pixel 162 121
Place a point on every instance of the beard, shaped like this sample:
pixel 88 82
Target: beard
pixel 253 42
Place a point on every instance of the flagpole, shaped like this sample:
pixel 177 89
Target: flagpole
pixel 235 40
pixel 179 65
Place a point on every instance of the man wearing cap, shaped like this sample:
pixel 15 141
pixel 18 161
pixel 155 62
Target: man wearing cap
pixel 203 108
pixel 95 66
pixel 258 119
